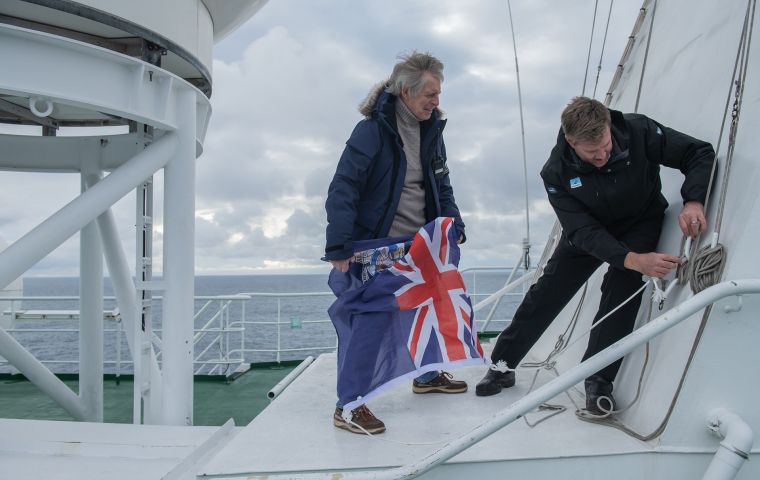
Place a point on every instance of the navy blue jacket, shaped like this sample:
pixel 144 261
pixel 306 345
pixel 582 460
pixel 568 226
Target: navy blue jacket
pixel 596 205
pixel 366 188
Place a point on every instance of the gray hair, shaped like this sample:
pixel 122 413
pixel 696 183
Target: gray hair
pixel 409 72
pixel 585 119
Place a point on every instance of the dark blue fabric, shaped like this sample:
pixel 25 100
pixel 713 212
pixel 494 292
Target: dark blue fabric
pixel 373 333
pixel 363 196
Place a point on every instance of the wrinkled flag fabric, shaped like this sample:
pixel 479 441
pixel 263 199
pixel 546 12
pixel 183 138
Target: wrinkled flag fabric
pixel 402 310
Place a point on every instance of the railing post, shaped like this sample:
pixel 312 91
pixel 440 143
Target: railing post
pixel 491 313
pixel 278 330
pixel 119 327
pixel 242 332
pixel 220 355
pixel 228 307
pixel 13 314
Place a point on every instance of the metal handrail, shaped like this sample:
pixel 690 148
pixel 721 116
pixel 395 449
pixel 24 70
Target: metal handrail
pixel 223 330
pixel 566 380
pixel 220 330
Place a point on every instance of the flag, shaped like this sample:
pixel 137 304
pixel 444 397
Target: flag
pixel 401 310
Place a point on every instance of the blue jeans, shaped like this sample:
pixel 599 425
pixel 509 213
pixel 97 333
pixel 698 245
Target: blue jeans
pixel 424 378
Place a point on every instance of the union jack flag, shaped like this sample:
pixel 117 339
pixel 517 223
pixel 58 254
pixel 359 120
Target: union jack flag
pixel 437 297
pixel 412 316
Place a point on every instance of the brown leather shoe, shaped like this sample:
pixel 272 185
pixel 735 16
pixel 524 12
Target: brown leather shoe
pixel 361 417
pixel 443 383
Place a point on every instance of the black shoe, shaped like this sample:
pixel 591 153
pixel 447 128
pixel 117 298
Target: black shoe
pixel 493 382
pixel 599 399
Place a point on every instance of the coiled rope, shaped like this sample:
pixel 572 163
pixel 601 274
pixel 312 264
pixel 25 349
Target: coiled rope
pixel 706 266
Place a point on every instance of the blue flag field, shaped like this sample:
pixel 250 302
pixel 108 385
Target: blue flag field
pixel 401 310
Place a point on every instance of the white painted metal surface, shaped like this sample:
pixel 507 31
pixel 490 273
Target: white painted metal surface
pixel 686 83
pixel 91 315
pixel 13 289
pixel 734 450
pixel 33 449
pixel 186 29
pixel 707 362
pixel 93 79
pixel 40 376
pixel 179 269
pixel 289 378
pixel 491 425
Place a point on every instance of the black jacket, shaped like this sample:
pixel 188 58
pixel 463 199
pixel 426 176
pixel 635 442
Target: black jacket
pixel 596 205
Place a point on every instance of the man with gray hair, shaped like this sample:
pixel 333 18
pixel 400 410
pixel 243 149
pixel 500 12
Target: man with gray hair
pixel 603 181
pixel 391 180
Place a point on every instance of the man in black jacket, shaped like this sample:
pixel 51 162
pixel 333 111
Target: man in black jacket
pixel 602 179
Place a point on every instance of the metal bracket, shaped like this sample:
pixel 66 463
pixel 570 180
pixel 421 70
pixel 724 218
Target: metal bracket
pixel 735 308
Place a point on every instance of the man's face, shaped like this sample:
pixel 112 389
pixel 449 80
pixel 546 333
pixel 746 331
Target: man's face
pixel 595 153
pixel 424 103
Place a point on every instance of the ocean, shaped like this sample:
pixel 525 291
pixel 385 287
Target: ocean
pixel 303 329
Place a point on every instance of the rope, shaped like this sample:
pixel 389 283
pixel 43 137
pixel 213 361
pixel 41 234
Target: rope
pixel 561 347
pixel 707 265
pixel 388 440
pixel 608 412
pixel 549 363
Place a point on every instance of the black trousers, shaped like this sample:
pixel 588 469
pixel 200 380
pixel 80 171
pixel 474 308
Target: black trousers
pixel 566 271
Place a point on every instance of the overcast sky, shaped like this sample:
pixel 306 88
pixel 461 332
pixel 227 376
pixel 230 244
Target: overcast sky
pixel 286 88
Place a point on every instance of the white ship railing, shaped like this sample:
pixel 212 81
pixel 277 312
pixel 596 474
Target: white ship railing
pixel 217 331
pixel 223 342
pixel 279 324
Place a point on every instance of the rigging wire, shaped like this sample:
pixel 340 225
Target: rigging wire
pixel 526 240
pixel 601 54
pixel 565 340
pixel 706 268
pixel 711 262
pixel 646 56
pixel 590 43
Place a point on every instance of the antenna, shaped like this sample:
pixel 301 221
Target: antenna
pixel 526 240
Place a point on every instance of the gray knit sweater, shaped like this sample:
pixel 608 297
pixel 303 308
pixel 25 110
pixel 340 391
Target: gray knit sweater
pixel 410 214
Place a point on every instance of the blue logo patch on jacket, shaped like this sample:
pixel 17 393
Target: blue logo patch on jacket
pixel 575 182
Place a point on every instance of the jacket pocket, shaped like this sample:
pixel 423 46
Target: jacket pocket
pixel 367 219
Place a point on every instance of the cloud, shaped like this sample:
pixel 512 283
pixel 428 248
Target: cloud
pixel 286 88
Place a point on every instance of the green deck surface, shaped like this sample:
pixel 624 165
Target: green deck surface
pixel 216 399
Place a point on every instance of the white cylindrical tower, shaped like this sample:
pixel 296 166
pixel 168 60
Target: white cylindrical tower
pixel 145 66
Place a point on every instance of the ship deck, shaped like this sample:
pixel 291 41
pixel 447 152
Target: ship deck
pixel 294 433
pixel 216 398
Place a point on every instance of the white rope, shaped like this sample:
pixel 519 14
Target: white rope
pixel 559 348
pixel 397 442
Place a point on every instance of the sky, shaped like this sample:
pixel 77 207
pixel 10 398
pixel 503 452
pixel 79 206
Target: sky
pixel 286 86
